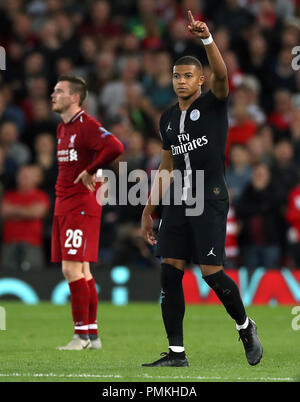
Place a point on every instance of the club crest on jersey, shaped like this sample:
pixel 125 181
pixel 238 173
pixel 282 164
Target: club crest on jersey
pixel 195 114
pixel 72 140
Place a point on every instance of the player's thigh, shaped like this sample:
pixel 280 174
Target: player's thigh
pixel 173 236
pixel 209 233
pixel 179 264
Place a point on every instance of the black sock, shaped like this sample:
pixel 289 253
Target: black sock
pixel 228 292
pixel 172 303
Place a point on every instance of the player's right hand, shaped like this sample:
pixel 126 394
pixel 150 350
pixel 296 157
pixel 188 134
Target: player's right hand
pixel 147 229
pixel 197 28
pixel 88 180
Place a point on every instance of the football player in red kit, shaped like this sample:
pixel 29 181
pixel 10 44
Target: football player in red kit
pixel 83 146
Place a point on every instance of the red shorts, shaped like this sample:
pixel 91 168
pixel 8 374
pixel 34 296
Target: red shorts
pixel 75 238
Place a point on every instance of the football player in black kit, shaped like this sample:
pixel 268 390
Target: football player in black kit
pixel 194 133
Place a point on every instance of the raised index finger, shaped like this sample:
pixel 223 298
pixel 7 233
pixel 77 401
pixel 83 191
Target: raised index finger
pixel 191 18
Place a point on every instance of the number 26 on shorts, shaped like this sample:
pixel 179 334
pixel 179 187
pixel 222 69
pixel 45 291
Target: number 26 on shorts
pixel 73 238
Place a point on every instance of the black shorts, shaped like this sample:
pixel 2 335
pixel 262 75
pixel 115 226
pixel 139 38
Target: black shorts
pixel 197 239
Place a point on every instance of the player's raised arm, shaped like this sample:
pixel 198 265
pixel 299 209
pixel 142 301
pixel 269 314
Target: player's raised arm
pixel 219 77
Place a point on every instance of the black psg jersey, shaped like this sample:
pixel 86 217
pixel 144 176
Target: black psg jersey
pixel 197 139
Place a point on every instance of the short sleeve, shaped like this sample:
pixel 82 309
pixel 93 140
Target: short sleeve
pixel 166 145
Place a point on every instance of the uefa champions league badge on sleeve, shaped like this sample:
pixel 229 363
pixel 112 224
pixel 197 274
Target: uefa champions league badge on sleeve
pixel 104 132
pixel 195 114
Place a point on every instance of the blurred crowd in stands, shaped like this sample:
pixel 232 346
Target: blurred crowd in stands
pixel 125 50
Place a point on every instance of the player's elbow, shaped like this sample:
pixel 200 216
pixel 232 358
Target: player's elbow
pixel 117 148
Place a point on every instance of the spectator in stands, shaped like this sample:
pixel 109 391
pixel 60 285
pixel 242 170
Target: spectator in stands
pixel 50 45
pixel 242 128
pixel 87 53
pixel 239 171
pixel 231 14
pixel 68 36
pixel 266 134
pixel 101 23
pixel 258 64
pixel 285 171
pixel 280 117
pixel 295 134
pixel 113 95
pixel 16 153
pixel 248 92
pixel 235 72
pixel 37 88
pixel 42 121
pixel 257 151
pixel 45 158
pixel 283 76
pixel 159 90
pixel 23 211
pixel 140 111
pixel 9 110
pixel 258 212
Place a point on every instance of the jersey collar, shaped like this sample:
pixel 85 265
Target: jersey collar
pixel 75 117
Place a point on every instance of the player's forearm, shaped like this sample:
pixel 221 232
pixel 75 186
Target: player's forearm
pixel 216 61
pixel 112 149
pixel 161 185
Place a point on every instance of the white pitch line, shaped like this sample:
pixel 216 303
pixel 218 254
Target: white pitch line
pixel 145 376
pixel 60 375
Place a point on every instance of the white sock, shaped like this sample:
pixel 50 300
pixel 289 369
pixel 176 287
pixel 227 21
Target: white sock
pixel 243 326
pixel 177 349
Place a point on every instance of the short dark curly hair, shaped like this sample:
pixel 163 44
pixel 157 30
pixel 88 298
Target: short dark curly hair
pixel 189 61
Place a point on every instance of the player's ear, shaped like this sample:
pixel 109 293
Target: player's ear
pixel 201 80
pixel 76 98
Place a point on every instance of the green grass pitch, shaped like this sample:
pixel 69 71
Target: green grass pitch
pixel 134 334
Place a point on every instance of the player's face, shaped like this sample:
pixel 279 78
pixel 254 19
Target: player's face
pixel 61 97
pixel 187 80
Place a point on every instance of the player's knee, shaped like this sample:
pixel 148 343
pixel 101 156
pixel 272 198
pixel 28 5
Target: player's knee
pixel 210 269
pixel 171 277
pixel 72 270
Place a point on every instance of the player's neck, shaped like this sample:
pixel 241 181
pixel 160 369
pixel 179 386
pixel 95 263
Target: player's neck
pixel 70 113
pixel 184 104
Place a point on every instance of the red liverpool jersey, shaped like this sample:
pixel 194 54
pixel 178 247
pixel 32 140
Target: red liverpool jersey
pixel 82 144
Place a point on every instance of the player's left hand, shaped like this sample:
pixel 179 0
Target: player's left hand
pixel 88 180
pixel 197 28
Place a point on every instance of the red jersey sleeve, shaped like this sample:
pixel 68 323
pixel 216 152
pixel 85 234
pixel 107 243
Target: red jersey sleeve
pixel 105 145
